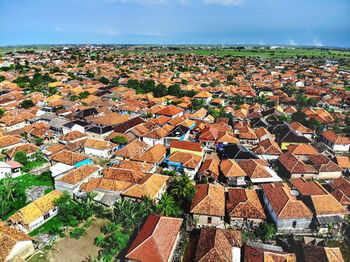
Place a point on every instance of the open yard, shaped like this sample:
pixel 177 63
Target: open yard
pixel 277 53
pixel 69 249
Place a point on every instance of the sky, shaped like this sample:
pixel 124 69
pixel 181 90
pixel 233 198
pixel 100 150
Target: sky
pixel 223 22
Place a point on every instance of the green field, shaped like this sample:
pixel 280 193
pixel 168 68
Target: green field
pixel 278 53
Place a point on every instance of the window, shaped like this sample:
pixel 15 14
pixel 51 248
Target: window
pixel 46 216
pixel 209 220
pixel 294 224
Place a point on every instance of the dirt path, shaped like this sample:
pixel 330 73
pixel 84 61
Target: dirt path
pixel 73 250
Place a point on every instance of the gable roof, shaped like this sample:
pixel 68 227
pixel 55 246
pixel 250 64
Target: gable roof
pixel 335 139
pixel 209 200
pixel 256 252
pixel 302 149
pixel 36 209
pixel 9 237
pixel 186 145
pixel 68 157
pixel 294 165
pixel 267 146
pixel 244 203
pixel 230 168
pixel 153 155
pixel 188 160
pixel 156 239
pixel 216 244
pixel 79 174
pixel 170 111
pixel 284 203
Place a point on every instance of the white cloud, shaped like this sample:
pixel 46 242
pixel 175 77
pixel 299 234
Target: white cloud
pixel 317 42
pixel 292 42
pixel 224 2
pixel 58 29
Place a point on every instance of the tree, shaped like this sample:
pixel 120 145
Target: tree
pixel 265 231
pixel 312 102
pixel 39 141
pixel 21 157
pixel 316 125
pixel 302 100
pixel 27 103
pixel 300 117
pixel 197 104
pixel 182 191
pixel 167 206
pixel 104 80
pixel 84 94
pixel 174 90
pixel 285 118
pixel 120 140
pixel 2 112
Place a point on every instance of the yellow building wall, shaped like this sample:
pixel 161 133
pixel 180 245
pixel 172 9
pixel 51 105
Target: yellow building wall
pixel 285 144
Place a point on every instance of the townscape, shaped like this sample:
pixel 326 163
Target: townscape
pixel 157 154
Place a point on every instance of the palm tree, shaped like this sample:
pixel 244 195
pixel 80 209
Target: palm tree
pixel 166 206
pixel 10 187
pixel 182 190
pixel 147 206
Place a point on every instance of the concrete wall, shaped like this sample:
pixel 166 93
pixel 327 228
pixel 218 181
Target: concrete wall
pixel 96 152
pixel 203 220
pixel 39 221
pixel 22 249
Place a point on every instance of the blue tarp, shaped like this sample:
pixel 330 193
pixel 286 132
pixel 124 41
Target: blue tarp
pixel 84 162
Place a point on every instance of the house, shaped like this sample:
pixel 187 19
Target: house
pixel 153 155
pixel 244 208
pixel 72 137
pixel 58 123
pixel 186 147
pixel 325 207
pixel 155 136
pixel 302 150
pixel 127 125
pixel 209 170
pixel 340 190
pixel 184 162
pixel 300 129
pixel 335 142
pixel 208 205
pixel 238 152
pixel 99 132
pixel 130 150
pixel 247 136
pixel 216 244
pixel 170 111
pixel 267 149
pixel 76 125
pixel 7 142
pixel 180 133
pixel 259 252
pixel 28 149
pixel 151 185
pixel 199 114
pixel 287 212
pixel 70 158
pixel 259 171
pixel 286 135
pixel 208 137
pixel 134 166
pixel 14 244
pixel 344 163
pixel 204 95
pixel 11 167
pixel 156 240
pixel 36 213
pixel 72 181
pixel 314 253
pixel 291 166
pixel 99 148
pixel 232 173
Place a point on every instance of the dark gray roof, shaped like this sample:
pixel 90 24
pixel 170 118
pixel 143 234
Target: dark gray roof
pixel 100 129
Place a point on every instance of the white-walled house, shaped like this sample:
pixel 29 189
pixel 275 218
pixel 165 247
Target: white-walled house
pixel 336 142
pixel 99 148
pixel 10 167
pixel 72 181
pixel 14 244
pixel 36 213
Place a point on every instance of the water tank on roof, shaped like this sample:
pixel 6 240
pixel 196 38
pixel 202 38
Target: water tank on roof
pixel 294 193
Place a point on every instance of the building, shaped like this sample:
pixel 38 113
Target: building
pixel 336 142
pixel 244 208
pixel 208 205
pixel 36 213
pixel 218 245
pixel 287 213
pixel 156 240
pixel 14 244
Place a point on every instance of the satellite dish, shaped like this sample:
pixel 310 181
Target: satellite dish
pixel 294 193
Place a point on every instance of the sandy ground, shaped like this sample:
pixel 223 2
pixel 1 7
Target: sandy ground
pixel 73 250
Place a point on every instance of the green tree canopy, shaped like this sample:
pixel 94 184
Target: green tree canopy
pixel 21 157
pixel 27 103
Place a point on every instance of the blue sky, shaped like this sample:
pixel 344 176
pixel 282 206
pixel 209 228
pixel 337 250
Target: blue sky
pixel 284 22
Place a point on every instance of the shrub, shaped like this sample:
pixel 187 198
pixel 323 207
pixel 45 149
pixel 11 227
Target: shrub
pixel 88 223
pixel 77 233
